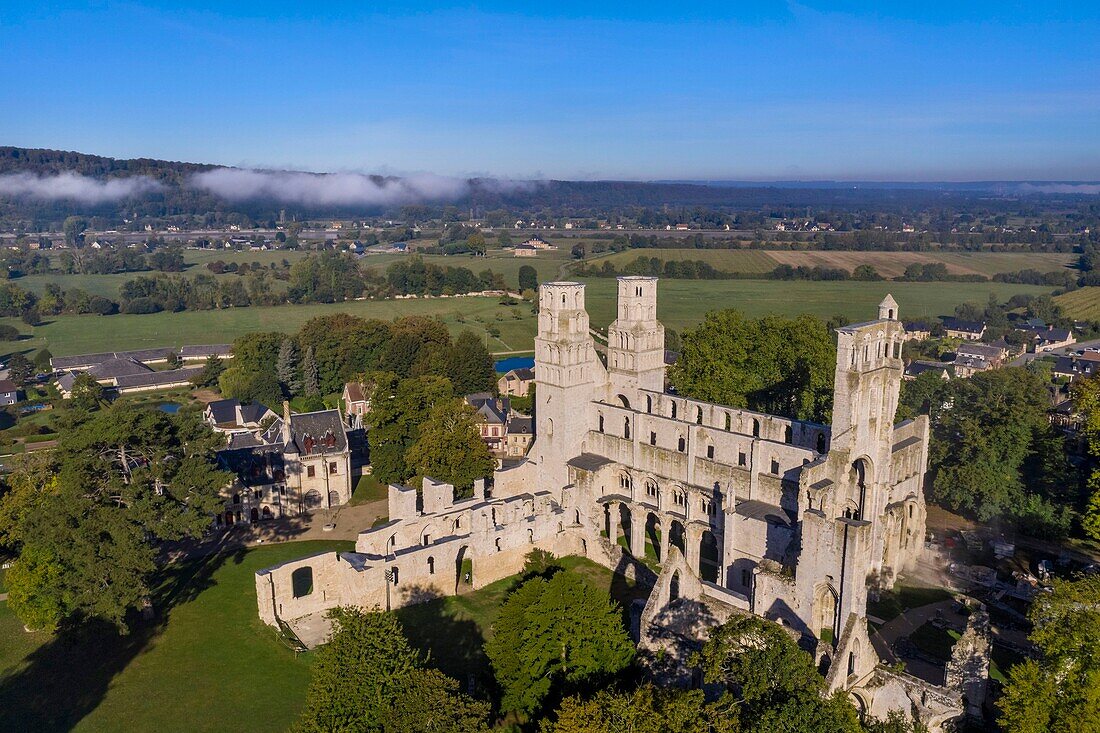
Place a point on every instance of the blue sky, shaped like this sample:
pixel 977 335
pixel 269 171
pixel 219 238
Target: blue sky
pixel 642 90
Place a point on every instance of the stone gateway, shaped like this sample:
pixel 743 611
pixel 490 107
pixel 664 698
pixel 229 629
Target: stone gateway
pixel 745 512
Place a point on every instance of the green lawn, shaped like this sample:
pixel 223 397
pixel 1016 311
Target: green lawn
pixel 368 489
pixel 206 664
pixel 934 641
pixel 85 334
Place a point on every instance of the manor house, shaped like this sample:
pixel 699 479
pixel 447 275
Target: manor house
pixel 744 512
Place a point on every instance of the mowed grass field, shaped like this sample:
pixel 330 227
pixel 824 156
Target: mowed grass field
pixel 207 662
pixel 1083 303
pixel 87 334
pixel 888 264
pixel 682 303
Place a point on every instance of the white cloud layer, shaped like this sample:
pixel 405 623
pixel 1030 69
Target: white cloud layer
pixel 328 189
pixel 76 187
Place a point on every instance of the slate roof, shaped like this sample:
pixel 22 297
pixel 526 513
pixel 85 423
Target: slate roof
pixel 957 324
pixel 917 368
pixel 206 350
pixel 312 433
pixel 117 367
pixel 523 373
pixel 493 409
pixel 983 350
pixel 152 379
pixel 7 386
pixel 223 411
pixel 521 425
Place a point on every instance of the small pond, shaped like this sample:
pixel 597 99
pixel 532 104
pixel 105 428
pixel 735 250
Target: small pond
pixel 514 362
pixel 170 407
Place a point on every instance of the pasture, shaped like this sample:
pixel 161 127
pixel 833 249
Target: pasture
pixel 89 333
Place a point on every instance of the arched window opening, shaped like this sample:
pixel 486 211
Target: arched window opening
pixel 681 444
pixel 651 488
pixel 755 428
pixel 673 409
pixel 599 425
pixel 648 403
pixel 301 581
pixel 674 587
pixel 624 401
pixel 626 428
pixel 395 573
pixel 496 543
pixel 788 435
pixel 431 566
pixel 531 535
pixel 729 422
pixel 626 483
pixel 710 452
pixel 821 442
pixel 698 415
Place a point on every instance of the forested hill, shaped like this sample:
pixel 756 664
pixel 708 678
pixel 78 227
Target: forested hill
pixel 145 188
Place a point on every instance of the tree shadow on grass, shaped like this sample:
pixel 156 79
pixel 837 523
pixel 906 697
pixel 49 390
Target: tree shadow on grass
pixel 453 646
pixel 67 677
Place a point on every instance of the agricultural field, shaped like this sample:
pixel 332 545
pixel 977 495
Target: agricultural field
pixel 548 264
pixel 682 303
pixel 893 264
pixel 207 663
pixel 728 260
pixel 1083 303
pixel 195 261
pixel 888 264
pixel 90 333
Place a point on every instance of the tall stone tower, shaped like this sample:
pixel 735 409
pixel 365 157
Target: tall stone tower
pixel 865 396
pixel 569 376
pixel 636 340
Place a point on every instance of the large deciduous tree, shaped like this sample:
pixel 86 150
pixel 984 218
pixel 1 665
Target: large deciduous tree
pixel 647 709
pixel 556 636
pixel 449 447
pixel 771 683
pixel 994 454
pixel 774 364
pixel 1059 693
pixel 1087 394
pixel 370 680
pixel 398 409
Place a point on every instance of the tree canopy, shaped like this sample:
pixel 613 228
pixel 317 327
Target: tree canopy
pixel 449 447
pixel 773 364
pixel 86 518
pixel 1060 692
pixel 369 679
pixel 553 636
pixel 771 684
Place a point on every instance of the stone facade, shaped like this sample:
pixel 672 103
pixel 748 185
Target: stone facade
pixel 787 519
